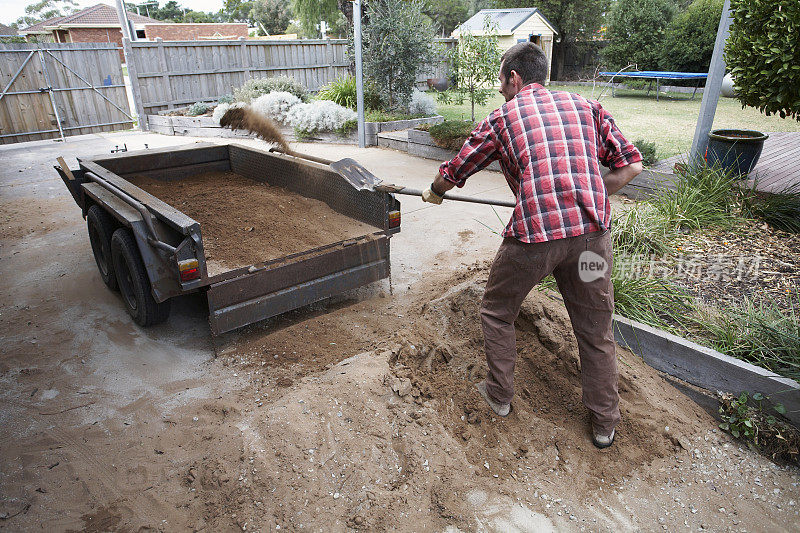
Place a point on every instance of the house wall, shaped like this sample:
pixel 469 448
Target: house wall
pixel 193 32
pixel 98 35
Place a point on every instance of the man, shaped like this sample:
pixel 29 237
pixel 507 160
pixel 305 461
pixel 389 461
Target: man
pixel 549 145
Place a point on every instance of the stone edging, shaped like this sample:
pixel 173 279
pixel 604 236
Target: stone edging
pixel 705 367
pixel 204 126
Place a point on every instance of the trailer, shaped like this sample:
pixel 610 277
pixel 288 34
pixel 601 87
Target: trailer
pixel 151 251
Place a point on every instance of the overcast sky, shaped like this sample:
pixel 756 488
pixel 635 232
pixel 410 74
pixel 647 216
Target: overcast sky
pixel 11 10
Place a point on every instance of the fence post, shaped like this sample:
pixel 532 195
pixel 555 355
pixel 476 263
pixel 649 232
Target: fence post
pixel 248 72
pixel 130 61
pixel 162 62
pixel 330 56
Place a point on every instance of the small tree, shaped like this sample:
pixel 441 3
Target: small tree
pixel 397 43
pixel 689 38
pixel 477 63
pixel 636 31
pixel 763 55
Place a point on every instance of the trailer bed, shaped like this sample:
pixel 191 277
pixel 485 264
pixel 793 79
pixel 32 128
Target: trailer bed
pixel 246 221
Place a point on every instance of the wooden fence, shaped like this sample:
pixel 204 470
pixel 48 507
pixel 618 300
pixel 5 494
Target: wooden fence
pixel 51 90
pixel 169 74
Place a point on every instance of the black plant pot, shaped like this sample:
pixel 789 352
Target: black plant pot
pixel 735 150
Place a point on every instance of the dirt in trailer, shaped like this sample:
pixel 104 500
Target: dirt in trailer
pixel 244 221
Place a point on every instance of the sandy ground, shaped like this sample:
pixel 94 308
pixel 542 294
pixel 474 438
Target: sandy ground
pixel 355 413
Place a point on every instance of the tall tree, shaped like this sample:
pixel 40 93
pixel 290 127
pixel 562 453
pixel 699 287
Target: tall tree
pixel 311 12
pixel 689 38
pixel 447 14
pixel 271 16
pixel 635 33
pixel 237 10
pixel 46 9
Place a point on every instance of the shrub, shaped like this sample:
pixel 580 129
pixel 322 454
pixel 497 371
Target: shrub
pixel 763 55
pixel 758 332
pixel 222 108
pixel 689 39
pixel 451 134
pixel 398 42
pixel 319 115
pixel 254 88
pixel 276 105
pixel 421 104
pixel 779 209
pixel 341 91
pixel 648 151
pixel 197 108
pixel 226 99
pixel 635 33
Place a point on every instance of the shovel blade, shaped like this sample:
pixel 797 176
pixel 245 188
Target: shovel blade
pixel 358 176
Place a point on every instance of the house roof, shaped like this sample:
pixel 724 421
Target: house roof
pixel 507 20
pixel 7 30
pixel 97 15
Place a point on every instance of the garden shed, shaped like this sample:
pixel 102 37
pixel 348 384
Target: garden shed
pixel 514 26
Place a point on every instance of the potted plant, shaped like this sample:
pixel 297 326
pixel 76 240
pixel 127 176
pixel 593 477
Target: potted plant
pixel 735 150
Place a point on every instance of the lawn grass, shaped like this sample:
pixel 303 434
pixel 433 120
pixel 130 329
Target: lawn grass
pixel 669 122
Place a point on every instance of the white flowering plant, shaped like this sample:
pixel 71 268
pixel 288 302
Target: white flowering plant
pixel 319 115
pixel 276 105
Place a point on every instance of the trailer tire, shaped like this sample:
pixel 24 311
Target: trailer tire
pixel 134 285
pixel 101 227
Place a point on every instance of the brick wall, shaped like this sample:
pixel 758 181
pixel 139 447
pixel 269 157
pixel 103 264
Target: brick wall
pixel 194 32
pixel 98 35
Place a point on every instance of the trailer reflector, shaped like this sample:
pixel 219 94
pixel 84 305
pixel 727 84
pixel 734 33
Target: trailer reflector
pixel 189 269
pixel 394 219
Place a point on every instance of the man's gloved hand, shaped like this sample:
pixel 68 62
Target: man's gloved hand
pixel 429 195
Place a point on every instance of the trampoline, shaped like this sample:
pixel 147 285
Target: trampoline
pixel 658 75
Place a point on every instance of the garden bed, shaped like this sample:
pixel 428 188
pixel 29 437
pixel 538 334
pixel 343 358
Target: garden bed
pixel 171 122
pixel 421 144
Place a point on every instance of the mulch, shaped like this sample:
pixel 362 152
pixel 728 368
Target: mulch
pixel 751 260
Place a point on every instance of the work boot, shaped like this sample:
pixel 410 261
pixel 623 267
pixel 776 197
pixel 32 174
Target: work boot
pixel 603 441
pixel 500 409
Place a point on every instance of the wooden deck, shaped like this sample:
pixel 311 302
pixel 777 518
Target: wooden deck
pixel 777 168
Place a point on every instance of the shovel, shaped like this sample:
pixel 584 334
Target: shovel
pixel 364 180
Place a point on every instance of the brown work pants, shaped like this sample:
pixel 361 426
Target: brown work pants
pixel 517 268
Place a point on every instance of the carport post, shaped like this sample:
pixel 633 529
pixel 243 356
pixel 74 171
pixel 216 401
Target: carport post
pixel 716 71
pixel 127 52
pixel 362 135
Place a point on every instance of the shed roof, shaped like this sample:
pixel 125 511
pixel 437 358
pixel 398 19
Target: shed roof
pixel 507 20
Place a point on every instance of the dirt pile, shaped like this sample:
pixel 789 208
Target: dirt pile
pixel 244 118
pixel 245 221
pixel 442 357
pixel 397 438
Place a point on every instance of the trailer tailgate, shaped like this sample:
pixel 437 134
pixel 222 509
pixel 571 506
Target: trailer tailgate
pixel 274 289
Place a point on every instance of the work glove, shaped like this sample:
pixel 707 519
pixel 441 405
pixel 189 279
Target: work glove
pixel 429 196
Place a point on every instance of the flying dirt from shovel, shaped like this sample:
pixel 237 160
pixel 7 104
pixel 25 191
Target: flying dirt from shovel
pixel 245 118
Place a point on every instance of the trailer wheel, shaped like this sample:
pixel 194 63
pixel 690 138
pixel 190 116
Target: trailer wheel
pixel 134 284
pixel 101 227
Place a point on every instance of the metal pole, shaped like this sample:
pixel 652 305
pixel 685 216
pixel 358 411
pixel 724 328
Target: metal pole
pixel 716 71
pixel 123 22
pixel 52 96
pixel 362 137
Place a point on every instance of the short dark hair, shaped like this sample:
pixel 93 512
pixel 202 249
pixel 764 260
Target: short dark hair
pixel 528 60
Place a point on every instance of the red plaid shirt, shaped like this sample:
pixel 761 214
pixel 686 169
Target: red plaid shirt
pixel 550 145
